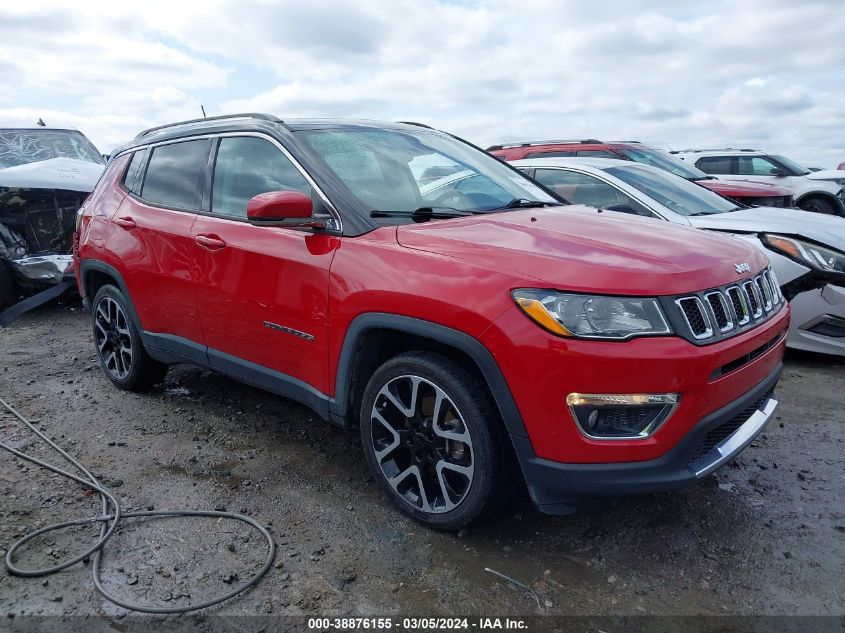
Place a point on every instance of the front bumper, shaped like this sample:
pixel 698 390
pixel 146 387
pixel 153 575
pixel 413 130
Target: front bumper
pixel 712 442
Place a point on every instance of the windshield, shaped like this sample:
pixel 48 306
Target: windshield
pixel 791 165
pixel 398 172
pixel 662 160
pixel 677 194
pixel 19 147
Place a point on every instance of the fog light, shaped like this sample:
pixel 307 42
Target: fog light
pixel 606 416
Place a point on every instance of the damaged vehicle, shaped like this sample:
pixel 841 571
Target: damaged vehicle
pixel 45 175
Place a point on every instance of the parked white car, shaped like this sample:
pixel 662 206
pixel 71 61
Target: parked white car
pixel 807 250
pixel 820 191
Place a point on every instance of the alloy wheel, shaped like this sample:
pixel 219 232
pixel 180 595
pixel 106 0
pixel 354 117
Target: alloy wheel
pixel 422 444
pixel 114 342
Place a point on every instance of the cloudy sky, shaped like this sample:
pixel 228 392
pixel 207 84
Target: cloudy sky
pixel 757 73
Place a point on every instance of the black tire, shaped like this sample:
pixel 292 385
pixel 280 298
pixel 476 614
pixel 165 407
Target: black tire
pixel 7 286
pixel 817 204
pixel 122 356
pixel 466 411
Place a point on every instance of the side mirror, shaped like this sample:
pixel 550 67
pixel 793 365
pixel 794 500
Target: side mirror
pixel 778 172
pixel 282 208
pixel 624 207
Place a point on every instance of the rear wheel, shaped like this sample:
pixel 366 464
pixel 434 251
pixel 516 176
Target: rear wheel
pixel 122 355
pixel 432 440
pixel 817 205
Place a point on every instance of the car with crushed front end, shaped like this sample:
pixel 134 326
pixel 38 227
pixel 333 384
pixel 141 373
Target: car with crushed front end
pixel 475 339
pixel 45 174
pixel 806 250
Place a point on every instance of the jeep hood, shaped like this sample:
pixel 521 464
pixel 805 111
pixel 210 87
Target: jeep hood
pixel 578 248
pixel 824 229
pixel 69 174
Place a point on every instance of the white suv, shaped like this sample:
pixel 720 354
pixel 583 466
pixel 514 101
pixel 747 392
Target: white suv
pixel 820 191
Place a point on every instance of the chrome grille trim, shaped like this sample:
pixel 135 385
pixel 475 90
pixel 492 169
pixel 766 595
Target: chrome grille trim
pixel 716 314
pixel 755 302
pixel 720 297
pixel 708 330
pixel 765 292
pixel 745 316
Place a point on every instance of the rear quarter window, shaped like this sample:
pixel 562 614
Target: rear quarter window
pixel 131 181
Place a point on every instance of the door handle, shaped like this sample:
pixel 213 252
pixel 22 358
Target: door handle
pixel 211 242
pixel 125 223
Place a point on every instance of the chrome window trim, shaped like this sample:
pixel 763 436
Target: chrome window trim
pixel 263 135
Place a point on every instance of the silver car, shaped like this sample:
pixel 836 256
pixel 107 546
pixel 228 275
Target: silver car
pixel 807 250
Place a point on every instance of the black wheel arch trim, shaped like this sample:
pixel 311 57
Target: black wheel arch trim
pixel 826 195
pixel 340 405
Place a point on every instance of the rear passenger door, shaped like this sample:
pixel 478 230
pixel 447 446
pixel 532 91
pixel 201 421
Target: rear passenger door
pixel 262 291
pixel 151 237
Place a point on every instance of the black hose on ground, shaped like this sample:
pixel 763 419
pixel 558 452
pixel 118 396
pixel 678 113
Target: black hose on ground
pixel 111 518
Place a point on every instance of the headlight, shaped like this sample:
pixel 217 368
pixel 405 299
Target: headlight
pixel 813 255
pixel 592 316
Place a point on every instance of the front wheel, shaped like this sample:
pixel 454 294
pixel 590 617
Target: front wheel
pixel 817 205
pixel 433 440
pixel 122 355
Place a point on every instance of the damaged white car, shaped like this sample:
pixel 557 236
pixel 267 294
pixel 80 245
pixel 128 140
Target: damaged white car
pixel 807 250
pixel 45 174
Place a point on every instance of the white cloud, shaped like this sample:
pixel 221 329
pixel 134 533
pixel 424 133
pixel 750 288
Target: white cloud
pixel 765 72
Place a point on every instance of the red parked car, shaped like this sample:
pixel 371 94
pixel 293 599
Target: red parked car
pixel 476 338
pixel 744 192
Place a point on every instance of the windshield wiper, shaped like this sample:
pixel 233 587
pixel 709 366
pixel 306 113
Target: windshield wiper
pixel 704 213
pixel 422 214
pixel 521 203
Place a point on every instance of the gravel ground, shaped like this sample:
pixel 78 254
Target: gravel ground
pixel 765 535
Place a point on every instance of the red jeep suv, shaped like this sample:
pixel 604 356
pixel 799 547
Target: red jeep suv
pixel 477 338
pixel 749 193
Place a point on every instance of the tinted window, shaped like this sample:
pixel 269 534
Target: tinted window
pixel 558 154
pixel 596 153
pixel 174 172
pixel 583 189
pixel 678 194
pixel 715 164
pixel 755 166
pixel 130 180
pixel 247 166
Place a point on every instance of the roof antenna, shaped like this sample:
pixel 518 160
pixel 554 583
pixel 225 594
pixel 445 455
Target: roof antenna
pixel 202 107
pixel 41 123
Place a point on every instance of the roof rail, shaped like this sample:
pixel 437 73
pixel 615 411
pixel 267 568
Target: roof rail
pixel 416 123
pixel 715 149
pixel 242 115
pixel 583 141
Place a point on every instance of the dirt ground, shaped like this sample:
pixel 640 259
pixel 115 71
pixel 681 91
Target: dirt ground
pixel 765 535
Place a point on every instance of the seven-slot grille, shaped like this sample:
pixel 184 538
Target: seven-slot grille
pixel 725 311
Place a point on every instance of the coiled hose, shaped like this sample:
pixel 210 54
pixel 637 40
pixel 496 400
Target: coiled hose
pixel 111 518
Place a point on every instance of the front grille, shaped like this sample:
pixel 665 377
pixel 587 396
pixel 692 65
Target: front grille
pixel 722 432
pixel 694 314
pixel 715 314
